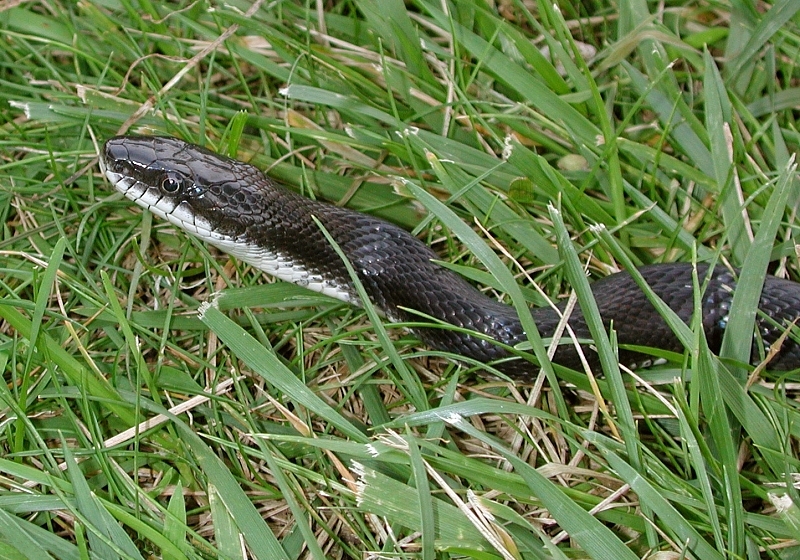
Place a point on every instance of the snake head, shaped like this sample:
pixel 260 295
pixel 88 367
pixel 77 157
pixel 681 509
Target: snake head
pixel 180 182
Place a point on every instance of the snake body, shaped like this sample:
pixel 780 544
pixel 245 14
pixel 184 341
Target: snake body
pixel 232 205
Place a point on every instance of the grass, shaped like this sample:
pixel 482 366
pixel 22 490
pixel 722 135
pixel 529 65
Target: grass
pixel 139 421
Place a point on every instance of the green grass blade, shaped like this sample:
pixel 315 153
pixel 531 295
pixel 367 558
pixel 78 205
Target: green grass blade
pixel 427 519
pixel 175 527
pixel 703 472
pixel 493 264
pixel 739 332
pixel 258 536
pixel 266 365
pixel 597 540
pixel 27 541
pixel 106 537
pixel 607 355
pixel 226 534
pixel 410 383
pixel 718 124
pixel 300 513
pixel 671 517
pixel 770 23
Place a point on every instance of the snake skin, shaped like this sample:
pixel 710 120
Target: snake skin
pixel 232 205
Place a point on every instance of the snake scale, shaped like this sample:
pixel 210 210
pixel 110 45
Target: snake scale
pixel 232 205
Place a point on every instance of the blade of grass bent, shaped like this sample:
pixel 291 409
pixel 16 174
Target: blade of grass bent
pixel 672 519
pixel 300 516
pixel 493 263
pixel 739 402
pixel 416 393
pixel 597 540
pixel 718 122
pixel 739 331
pixel 267 365
pixel 107 538
pixel 771 22
pixel 42 297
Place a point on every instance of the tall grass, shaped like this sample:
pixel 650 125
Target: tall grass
pixel 139 420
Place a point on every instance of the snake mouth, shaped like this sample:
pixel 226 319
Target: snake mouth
pixel 176 211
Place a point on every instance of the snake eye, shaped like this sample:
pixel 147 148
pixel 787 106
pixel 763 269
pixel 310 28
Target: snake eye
pixel 171 183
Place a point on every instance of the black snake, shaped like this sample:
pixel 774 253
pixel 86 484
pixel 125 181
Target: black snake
pixel 233 206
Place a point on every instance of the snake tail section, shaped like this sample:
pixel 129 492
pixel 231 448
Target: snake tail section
pixel 232 205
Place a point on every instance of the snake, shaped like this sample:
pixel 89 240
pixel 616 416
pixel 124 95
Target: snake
pixel 234 206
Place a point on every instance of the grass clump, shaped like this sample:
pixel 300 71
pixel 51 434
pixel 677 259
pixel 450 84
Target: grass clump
pixel 275 423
